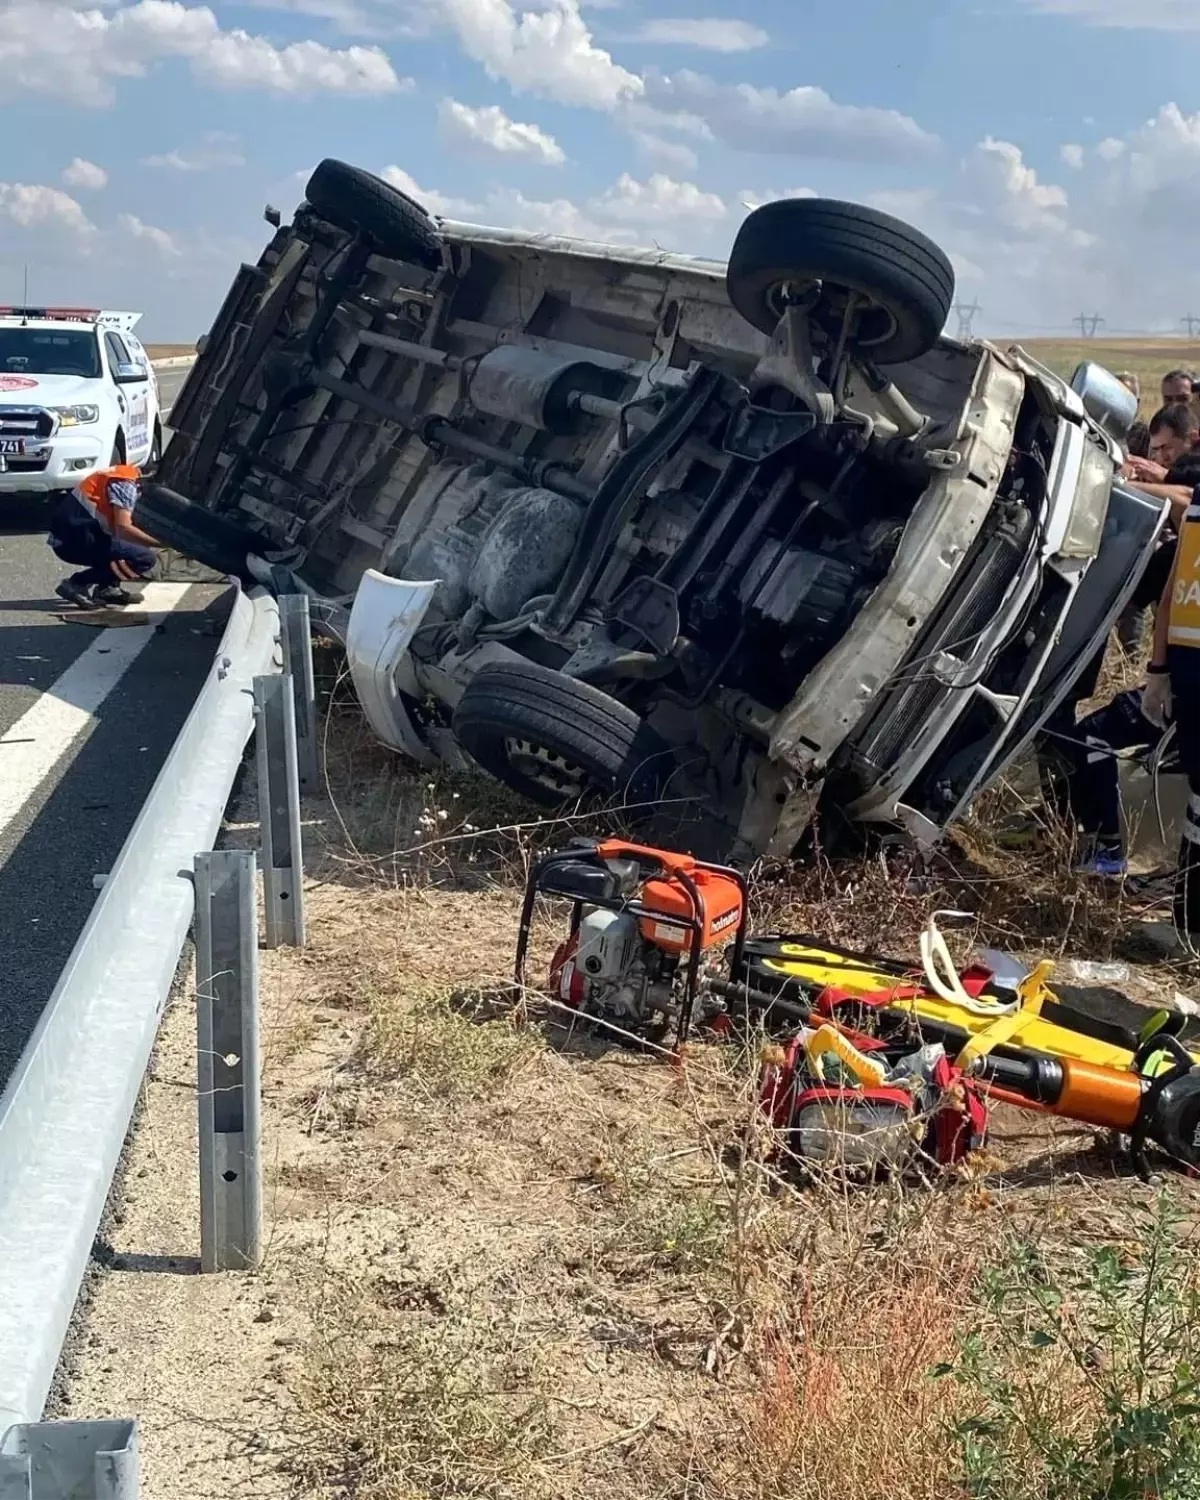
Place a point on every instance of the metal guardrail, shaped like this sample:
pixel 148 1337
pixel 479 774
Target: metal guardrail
pixel 67 1108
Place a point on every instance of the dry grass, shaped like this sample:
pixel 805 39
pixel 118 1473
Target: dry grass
pixel 814 1427
pixel 443 1046
pixel 534 1263
pixel 1148 359
pixel 397 1406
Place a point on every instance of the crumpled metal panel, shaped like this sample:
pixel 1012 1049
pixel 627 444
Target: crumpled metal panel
pixel 383 621
pixel 840 691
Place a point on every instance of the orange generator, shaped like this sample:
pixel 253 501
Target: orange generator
pixel 642 921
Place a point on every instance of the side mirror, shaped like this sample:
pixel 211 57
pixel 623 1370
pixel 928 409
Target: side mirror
pixel 273 217
pixel 129 374
pixel 1112 406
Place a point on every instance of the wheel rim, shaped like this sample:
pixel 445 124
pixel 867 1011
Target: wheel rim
pixel 873 324
pixel 546 768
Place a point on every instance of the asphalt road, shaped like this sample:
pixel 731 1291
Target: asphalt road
pixel 87 717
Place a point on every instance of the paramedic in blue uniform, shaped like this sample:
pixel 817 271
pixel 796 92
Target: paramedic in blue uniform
pixel 1172 692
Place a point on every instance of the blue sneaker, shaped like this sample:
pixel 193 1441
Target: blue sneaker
pixel 1105 866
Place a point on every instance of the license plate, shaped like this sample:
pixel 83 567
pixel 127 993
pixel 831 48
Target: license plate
pixel 14 447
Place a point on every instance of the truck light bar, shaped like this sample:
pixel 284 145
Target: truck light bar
pixel 121 320
pixel 57 314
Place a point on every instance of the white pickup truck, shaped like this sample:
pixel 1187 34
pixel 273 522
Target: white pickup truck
pixel 77 393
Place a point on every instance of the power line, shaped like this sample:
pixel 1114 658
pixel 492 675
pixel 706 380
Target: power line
pixel 1088 323
pixel 966 317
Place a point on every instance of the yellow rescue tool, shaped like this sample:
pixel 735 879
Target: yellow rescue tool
pixel 1030 1016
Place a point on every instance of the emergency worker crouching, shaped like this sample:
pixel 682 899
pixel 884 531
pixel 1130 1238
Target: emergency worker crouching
pixel 92 527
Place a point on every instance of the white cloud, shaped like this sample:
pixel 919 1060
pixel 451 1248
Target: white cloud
pixel 659 210
pixel 508 208
pixel 213 151
pixel 903 203
pixel 659 202
pixel 1071 156
pixel 1152 186
pixel 158 239
pixel 439 204
pixel 671 156
pixel 236 60
pixel 32 206
pixel 85 174
pixel 710 34
pixel 1036 255
pixel 549 52
pixel 1020 199
pixel 48 46
pixel 490 131
pixel 804 121
pixel 374 19
pixel 1165 150
pixel 1124 15
pixel 751 198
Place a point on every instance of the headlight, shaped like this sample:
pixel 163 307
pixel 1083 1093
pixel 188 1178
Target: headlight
pixel 76 416
pixel 1090 508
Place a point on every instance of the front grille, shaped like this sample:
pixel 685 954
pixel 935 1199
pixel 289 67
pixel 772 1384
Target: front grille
pixel 26 465
pixel 26 422
pixel 964 617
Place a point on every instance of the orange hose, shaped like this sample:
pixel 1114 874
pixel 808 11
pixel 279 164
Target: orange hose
pixel 991 1092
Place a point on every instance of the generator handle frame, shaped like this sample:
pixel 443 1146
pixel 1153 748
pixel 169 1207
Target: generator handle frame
pixel 665 865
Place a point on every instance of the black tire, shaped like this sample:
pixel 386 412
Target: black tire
pixel 909 280
pixel 361 203
pixel 118 453
pixel 607 743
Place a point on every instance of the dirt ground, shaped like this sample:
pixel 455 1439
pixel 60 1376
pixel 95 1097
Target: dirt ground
pixel 505 1259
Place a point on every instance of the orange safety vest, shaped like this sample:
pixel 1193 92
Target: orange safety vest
pixel 92 493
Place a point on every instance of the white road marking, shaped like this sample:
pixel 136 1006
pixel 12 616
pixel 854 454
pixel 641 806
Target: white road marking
pixel 40 738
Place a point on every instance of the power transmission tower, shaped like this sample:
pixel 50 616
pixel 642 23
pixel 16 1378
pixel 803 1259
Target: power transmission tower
pixel 1191 322
pixel 1088 323
pixel 966 317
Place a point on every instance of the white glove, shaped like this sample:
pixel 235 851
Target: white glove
pixel 1156 699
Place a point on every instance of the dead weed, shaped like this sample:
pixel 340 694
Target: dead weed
pixel 438 1048
pixel 392 1407
pixel 845 1404
pixel 617 1295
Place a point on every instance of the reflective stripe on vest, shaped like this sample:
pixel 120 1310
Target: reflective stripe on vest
pixel 92 493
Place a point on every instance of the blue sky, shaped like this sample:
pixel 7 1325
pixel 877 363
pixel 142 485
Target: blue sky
pixel 1052 146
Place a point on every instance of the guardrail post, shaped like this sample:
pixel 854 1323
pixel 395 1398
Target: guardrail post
pixel 70 1461
pixel 296 637
pixel 227 1056
pixel 279 811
